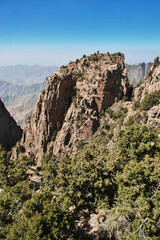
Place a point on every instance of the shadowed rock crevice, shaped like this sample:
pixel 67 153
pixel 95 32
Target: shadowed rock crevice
pixel 10 133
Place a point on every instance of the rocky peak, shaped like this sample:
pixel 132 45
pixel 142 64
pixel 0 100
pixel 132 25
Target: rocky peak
pixel 137 73
pixel 10 133
pixel 69 110
pixel 151 82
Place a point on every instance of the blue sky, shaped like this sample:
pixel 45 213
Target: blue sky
pixel 50 32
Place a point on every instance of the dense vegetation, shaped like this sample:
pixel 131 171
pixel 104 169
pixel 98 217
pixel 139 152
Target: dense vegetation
pixel 121 175
pixel 150 100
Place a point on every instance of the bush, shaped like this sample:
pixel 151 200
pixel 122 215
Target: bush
pixel 97 67
pixel 150 100
pixel 63 66
pixel 77 61
pixel 149 73
pixel 136 105
pixel 41 219
pixel 55 132
pixel 156 62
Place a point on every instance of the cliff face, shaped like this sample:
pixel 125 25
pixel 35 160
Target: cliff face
pixel 70 108
pixel 151 82
pixel 149 92
pixel 21 107
pixel 137 73
pixel 10 133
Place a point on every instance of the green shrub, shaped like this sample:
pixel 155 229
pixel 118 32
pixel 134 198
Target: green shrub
pixel 63 66
pixel 136 105
pixel 156 62
pixel 150 100
pixel 79 74
pixel 97 67
pixel 77 61
pixel 115 115
pixel 41 219
pixel 55 132
pixel 125 110
pixel 43 91
pixel 121 175
pixel 149 73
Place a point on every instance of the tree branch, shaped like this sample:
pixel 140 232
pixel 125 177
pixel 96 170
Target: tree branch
pixel 145 220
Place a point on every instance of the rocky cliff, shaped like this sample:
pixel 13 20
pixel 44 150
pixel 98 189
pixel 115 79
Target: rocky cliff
pixel 20 99
pixel 21 107
pixel 151 82
pixel 10 133
pixel 70 108
pixel 137 73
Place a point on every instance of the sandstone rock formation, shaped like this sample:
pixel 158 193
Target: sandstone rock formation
pixel 10 133
pixel 74 99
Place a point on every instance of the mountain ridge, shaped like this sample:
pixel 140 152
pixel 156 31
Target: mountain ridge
pixel 94 82
pixel 93 157
pixel 25 74
pixel 137 72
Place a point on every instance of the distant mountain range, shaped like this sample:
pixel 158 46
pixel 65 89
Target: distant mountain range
pixel 137 73
pixel 10 89
pixel 21 107
pixel 20 86
pixel 87 165
pixel 24 74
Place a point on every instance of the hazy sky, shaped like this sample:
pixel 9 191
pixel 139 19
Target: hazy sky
pixel 50 32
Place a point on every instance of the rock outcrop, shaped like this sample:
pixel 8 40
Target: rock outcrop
pixel 137 73
pixel 151 85
pixel 151 82
pixel 10 133
pixel 70 108
pixel 21 107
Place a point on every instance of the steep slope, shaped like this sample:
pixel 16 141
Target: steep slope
pixel 147 95
pixel 151 82
pixel 21 107
pixel 10 133
pixel 110 188
pixel 137 73
pixel 20 99
pixel 72 104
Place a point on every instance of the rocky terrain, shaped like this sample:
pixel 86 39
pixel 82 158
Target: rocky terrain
pixel 21 107
pixel 70 110
pixel 10 133
pixel 87 165
pixel 137 73
pixel 20 86
pixel 151 82
pixel 74 99
pixel 20 99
